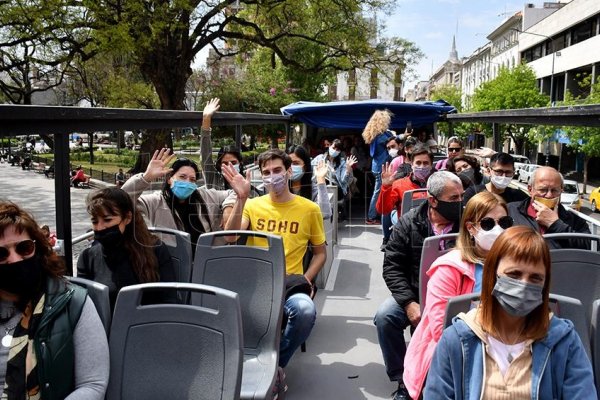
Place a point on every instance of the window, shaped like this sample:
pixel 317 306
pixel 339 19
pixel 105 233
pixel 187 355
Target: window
pixel 583 31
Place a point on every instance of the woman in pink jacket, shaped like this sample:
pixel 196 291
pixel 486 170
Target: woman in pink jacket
pixel 456 272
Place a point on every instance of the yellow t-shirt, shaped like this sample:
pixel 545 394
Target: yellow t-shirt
pixel 298 221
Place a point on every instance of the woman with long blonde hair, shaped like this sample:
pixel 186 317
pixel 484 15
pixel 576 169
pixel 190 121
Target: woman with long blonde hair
pixel 376 134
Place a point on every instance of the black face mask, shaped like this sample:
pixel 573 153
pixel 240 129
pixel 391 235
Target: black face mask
pixel 22 278
pixel 468 176
pixel 451 210
pixel 109 237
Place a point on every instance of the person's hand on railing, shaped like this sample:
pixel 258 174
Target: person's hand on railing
pixel 320 171
pixel 158 165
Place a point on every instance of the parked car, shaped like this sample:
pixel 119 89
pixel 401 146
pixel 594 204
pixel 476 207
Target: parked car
pixel 526 172
pixel 520 163
pixel 571 196
pixel 595 199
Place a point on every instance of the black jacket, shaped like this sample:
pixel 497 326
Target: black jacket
pixel 567 222
pixel 402 259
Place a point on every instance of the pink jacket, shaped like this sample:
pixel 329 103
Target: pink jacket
pixel 449 276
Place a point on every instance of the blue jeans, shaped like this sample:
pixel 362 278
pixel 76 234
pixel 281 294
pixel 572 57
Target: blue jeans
pixel 301 313
pixel 391 321
pixel 372 207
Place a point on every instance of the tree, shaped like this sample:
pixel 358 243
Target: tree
pixel 511 89
pixel 311 36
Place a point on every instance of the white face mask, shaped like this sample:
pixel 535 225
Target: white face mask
pixel 501 182
pixel 485 239
pixel 393 152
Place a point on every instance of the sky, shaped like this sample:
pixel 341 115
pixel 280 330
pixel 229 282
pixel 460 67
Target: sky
pixel 430 24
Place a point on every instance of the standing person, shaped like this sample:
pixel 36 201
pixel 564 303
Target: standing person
pixel 377 134
pixel 439 215
pixel 457 272
pixel 511 345
pixel 395 148
pixel 544 213
pixel 302 182
pixel 280 208
pixel 119 178
pixel 455 148
pixel 501 169
pixel 128 253
pixel 181 204
pixel 54 346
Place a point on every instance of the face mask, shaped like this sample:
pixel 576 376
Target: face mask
pixel 516 297
pixel 550 203
pixel 485 239
pixel 109 237
pixel 501 182
pixel 297 172
pixel 236 167
pixel 183 189
pixel 275 183
pixel 450 210
pixel 393 152
pixel 22 278
pixel 467 175
pixel 333 152
pixel 421 174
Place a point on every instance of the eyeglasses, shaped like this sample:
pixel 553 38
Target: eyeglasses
pixel 454 149
pixel 544 191
pixel 487 223
pixel 24 248
pixel 503 172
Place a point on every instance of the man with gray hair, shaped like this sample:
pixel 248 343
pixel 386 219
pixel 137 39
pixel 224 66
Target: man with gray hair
pixel 544 213
pixel 440 214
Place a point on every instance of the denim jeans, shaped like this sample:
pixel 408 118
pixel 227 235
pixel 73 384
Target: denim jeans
pixel 391 321
pixel 372 207
pixel 301 313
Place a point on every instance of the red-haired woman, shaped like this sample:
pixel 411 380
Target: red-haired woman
pixel 511 346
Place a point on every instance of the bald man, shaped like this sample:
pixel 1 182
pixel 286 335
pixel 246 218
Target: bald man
pixel 544 212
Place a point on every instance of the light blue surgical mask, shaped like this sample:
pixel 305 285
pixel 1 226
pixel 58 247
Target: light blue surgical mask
pixel 183 189
pixel 333 152
pixel 297 172
pixel 236 167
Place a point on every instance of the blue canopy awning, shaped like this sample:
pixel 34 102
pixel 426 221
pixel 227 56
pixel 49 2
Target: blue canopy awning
pixel 356 114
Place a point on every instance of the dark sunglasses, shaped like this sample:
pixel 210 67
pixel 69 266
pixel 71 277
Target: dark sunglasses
pixel 23 248
pixel 487 223
pixel 454 149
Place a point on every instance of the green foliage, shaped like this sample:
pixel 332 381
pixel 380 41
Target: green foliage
pixel 450 94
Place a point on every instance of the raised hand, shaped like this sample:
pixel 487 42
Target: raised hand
pixel 320 171
pixel 211 107
pixel 387 174
pixel 158 165
pixel 240 185
pixel 350 161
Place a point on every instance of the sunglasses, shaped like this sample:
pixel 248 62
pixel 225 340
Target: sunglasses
pixel 24 248
pixel 454 149
pixel 487 223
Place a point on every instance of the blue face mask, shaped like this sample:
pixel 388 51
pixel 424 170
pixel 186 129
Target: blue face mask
pixel 297 172
pixel 183 189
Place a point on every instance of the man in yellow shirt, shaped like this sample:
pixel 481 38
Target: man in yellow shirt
pixel 299 222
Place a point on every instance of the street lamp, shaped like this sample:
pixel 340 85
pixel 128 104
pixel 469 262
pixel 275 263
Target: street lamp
pixel 553 57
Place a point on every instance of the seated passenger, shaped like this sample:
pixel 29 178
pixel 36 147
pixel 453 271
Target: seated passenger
pixel 468 170
pixel 440 214
pixel 181 204
pixel 392 190
pixel 340 171
pixel 54 345
pixel 302 182
pixel 544 213
pixel 456 272
pixel 511 345
pixel 455 149
pixel 501 169
pixel 128 253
